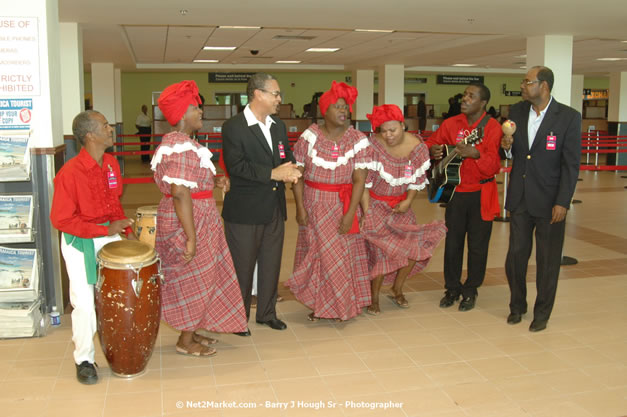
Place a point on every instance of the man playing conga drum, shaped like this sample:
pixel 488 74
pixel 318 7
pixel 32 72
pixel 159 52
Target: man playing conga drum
pixel 86 208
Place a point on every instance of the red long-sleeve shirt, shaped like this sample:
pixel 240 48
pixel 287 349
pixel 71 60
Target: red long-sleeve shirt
pixel 472 170
pixel 86 194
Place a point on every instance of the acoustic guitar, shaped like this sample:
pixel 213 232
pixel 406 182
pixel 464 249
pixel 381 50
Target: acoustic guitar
pixel 445 176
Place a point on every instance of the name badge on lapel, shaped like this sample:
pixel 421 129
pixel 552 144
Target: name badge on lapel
pixel 551 142
pixel 408 170
pixel 111 179
pixel 281 150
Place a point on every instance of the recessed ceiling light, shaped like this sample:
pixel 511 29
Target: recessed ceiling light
pixel 374 30
pixel 239 27
pixel 219 48
pixel 288 62
pixel 322 49
pixel 183 12
pixel 464 65
pixel 611 59
pixel 206 60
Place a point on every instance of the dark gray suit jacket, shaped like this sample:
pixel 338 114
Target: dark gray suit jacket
pixel 544 177
pixel 253 196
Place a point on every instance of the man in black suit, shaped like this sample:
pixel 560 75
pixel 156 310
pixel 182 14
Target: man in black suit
pixel 259 161
pixel 546 149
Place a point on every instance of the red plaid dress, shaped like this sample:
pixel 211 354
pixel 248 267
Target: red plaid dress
pixel 204 293
pixel 393 238
pixel 330 270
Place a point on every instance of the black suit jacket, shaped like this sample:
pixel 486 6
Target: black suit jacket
pixel 541 176
pixel 253 196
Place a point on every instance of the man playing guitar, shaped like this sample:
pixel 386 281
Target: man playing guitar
pixel 474 204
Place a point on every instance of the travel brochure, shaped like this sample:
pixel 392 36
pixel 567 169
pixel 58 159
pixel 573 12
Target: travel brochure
pixel 16 218
pixel 14 156
pixel 19 277
pixel 20 319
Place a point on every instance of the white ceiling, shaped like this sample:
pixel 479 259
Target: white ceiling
pixel 145 35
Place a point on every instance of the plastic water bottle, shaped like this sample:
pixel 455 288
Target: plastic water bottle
pixel 55 317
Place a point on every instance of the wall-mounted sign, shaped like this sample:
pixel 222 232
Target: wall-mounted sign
pixel 590 94
pixel 459 79
pixel 19 56
pixel 230 77
pixel 515 93
pixel 15 113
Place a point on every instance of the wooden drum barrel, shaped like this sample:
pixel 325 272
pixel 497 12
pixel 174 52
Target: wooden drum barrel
pixel 128 304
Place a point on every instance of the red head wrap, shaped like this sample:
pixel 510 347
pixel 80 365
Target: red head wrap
pixel 384 113
pixel 337 91
pixel 175 100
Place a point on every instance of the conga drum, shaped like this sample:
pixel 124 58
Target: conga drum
pixel 146 224
pixel 128 304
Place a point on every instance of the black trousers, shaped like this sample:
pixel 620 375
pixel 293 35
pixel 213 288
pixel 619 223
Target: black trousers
pixel 463 219
pixel 145 131
pixel 549 243
pixel 263 244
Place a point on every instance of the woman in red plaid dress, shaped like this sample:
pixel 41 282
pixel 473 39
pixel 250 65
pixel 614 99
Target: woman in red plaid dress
pixel 330 266
pixel 397 245
pixel 201 289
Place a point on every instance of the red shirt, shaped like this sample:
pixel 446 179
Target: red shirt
pixel 472 170
pixel 86 194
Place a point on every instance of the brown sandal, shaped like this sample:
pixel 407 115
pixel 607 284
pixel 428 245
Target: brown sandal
pixel 399 300
pixel 203 340
pixel 203 352
pixel 311 317
pixel 373 309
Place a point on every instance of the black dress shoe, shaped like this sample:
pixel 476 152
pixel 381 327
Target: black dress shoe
pixel 514 318
pixel 448 299
pixel 86 373
pixel 275 324
pixel 468 303
pixel 246 333
pixel 537 325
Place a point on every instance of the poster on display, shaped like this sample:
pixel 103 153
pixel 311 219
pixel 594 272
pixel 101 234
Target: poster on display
pixel 19 278
pixel 15 113
pixel 19 56
pixel 14 157
pixel 16 218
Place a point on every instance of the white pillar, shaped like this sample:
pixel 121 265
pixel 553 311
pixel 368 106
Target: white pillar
pixel 103 89
pixel 118 95
pixel 555 52
pixel 363 80
pixel 617 110
pixel 73 98
pixel 392 85
pixel 576 93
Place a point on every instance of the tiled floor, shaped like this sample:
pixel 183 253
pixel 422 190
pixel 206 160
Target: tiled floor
pixel 421 361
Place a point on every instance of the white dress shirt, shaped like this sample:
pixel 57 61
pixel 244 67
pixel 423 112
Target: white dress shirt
pixel 265 127
pixel 535 120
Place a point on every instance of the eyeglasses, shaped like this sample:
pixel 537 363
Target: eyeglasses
pixel 340 106
pixel 274 93
pixel 528 82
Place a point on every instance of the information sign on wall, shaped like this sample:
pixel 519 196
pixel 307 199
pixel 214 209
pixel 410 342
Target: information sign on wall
pixel 229 77
pixel 459 79
pixel 19 56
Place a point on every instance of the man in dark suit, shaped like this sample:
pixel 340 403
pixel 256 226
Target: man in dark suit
pixel 546 149
pixel 259 161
